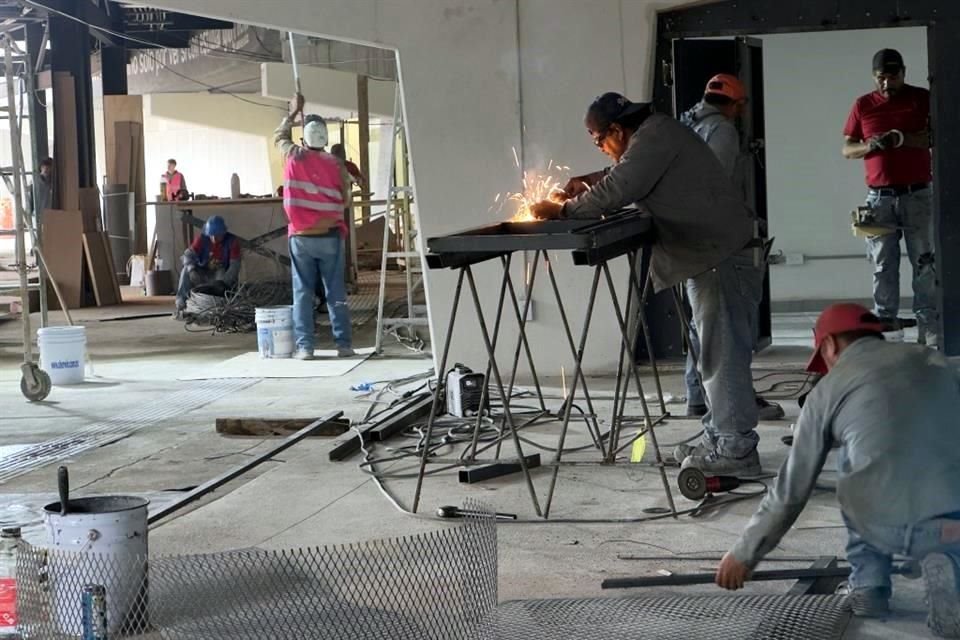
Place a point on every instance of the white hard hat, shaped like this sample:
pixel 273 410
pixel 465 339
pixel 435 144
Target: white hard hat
pixel 315 134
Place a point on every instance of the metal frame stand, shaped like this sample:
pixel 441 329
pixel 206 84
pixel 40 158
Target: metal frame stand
pixel 510 425
pixel 35 383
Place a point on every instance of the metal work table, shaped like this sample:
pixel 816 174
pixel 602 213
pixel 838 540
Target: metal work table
pixel 592 243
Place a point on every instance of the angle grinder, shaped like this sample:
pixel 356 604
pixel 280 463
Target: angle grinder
pixel 694 485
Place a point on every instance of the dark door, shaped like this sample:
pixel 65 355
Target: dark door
pixel 694 63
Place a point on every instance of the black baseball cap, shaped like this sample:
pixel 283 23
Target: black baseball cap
pixel 888 61
pixel 611 108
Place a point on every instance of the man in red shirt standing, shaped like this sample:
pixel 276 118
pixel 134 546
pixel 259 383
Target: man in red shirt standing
pixel 889 130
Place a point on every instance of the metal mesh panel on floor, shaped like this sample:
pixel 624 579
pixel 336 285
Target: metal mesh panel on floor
pixel 672 617
pixel 437 585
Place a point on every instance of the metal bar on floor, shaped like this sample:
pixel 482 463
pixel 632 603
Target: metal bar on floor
pixel 236 472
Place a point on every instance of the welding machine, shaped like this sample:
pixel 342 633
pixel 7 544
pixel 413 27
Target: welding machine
pixel 464 392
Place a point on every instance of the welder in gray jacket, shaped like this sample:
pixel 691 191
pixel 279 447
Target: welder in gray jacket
pixel 704 235
pixel 714 119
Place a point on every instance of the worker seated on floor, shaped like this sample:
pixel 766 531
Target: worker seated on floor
pixel 212 259
pixel 890 410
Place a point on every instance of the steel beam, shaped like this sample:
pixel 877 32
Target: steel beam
pixel 70 52
pixel 943 41
pixel 113 70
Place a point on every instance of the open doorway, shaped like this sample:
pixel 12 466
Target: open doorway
pixel 801 88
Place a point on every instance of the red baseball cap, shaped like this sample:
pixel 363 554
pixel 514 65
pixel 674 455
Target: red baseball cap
pixel 724 84
pixel 840 318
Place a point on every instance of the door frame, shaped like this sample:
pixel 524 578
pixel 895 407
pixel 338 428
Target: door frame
pixel 942 21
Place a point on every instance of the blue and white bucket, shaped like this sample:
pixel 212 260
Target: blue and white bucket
pixel 275 331
pixel 63 353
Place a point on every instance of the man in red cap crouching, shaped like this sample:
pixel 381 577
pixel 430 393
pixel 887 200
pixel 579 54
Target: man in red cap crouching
pixel 890 410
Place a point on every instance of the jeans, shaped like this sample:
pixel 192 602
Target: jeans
pixel 695 395
pixel 313 259
pixel 870 551
pixel 725 303
pixel 912 211
pixel 197 278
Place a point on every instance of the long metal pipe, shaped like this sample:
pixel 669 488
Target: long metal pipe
pixel 708 578
pixel 236 472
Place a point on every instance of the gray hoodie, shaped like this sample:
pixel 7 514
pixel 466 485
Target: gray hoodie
pixel 717 131
pixel 670 173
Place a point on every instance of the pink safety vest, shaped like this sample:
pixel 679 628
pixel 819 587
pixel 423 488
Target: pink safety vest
pixel 312 190
pixel 174 184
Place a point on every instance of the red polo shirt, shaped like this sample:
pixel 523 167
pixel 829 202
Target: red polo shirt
pixel 874 114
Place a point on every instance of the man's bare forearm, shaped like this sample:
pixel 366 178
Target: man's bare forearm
pixel 854 150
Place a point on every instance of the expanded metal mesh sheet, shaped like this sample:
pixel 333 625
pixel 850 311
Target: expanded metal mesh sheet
pixel 671 617
pixel 438 585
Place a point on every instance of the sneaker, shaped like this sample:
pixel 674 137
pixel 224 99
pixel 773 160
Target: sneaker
pixel 345 352
pixel 696 410
pixel 769 410
pixel 684 451
pixel 943 599
pixel 869 602
pixel 716 464
pixel 303 354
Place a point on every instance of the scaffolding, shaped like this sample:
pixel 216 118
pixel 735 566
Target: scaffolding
pixel 35 383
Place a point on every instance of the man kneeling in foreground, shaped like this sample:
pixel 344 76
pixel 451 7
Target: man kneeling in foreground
pixel 891 410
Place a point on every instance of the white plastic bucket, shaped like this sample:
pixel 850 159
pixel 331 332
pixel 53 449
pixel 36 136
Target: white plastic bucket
pixel 113 529
pixel 275 331
pixel 63 353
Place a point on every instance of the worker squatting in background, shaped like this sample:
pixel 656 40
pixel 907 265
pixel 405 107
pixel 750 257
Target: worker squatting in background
pixel 212 259
pixel 714 119
pixel 174 185
pixel 314 196
pixel 898 465
pixel 662 167
pixel 889 129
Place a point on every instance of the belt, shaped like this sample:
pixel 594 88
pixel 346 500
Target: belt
pixel 900 190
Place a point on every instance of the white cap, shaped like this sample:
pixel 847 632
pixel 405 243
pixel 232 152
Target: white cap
pixel 315 134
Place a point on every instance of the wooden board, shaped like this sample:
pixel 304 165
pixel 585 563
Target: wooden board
pixel 114 280
pixel 99 269
pixel 123 153
pixel 62 248
pixel 90 208
pixel 128 109
pixel 65 152
pixel 263 427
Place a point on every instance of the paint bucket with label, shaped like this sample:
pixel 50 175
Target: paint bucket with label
pixel 63 353
pixel 275 331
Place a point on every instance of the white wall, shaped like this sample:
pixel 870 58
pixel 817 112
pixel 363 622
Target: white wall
pixel 461 70
pixel 810 83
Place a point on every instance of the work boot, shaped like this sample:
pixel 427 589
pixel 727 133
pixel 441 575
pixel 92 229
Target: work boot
pixel 943 598
pixel 345 352
pixel 303 354
pixel 715 464
pixel 869 602
pixel 684 451
pixel 696 410
pixel 927 336
pixel 769 410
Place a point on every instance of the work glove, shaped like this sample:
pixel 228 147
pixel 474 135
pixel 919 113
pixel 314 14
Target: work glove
pixel 581 184
pixel 195 276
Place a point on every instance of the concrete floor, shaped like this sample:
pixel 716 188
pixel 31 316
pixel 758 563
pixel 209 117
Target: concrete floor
pixel 315 502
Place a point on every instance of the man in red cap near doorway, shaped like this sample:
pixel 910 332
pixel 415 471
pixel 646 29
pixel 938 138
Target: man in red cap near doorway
pixel 889 130
pixel 714 119
pixel 898 466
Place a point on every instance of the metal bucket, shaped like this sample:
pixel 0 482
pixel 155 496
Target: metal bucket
pixel 105 543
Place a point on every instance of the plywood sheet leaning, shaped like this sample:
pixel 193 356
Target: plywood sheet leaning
pixel 63 250
pixel 90 208
pixel 65 152
pixel 99 268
